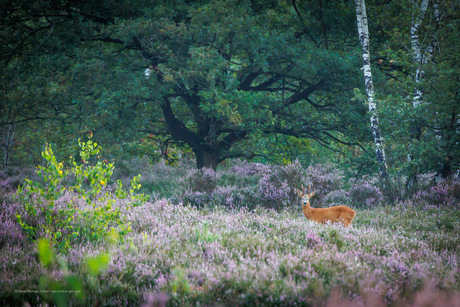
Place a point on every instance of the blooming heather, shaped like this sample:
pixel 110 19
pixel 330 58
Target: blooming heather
pixel 231 252
pixel 184 255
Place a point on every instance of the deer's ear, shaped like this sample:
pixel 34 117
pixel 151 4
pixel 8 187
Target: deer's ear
pixel 312 193
pixel 298 192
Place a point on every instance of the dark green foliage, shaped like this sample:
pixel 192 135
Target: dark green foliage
pixel 227 78
pixel 271 81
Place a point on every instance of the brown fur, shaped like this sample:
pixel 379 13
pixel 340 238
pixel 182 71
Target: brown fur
pixel 341 214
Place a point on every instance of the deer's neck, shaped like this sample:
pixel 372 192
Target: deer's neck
pixel 307 210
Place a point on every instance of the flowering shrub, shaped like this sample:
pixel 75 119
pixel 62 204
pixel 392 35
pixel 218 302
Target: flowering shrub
pixel 10 232
pixel 323 179
pixel 294 175
pixel 5 183
pixel 273 191
pixel 243 168
pixel 14 177
pixel 44 213
pixel 244 185
pixel 228 196
pixel 337 198
pixel 5 186
pixel 197 199
pixel 364 194
pixel 445 193
pixel 237 197
pixel 201 180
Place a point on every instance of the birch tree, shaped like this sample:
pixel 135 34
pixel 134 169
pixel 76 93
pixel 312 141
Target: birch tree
pixel 363 32
pixel 419 57
pixel 416 49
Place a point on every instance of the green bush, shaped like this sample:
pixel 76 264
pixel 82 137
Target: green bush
pixel 85 183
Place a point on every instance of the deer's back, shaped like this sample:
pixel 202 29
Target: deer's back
pixel 334 214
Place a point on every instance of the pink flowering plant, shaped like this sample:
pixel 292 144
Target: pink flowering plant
pixel 445 193
pixel 365 194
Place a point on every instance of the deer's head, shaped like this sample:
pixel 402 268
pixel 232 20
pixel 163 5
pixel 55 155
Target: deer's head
pixel 305 196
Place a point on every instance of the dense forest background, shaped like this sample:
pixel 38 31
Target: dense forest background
pixel 154 152
pixel 269 81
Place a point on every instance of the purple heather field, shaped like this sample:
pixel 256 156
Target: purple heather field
pixel 236 236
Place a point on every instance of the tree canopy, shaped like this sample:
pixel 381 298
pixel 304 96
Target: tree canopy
pixel 226 79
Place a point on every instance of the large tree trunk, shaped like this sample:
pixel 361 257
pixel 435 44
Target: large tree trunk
pixel 202 142
pixel 363 32
pixel 204 159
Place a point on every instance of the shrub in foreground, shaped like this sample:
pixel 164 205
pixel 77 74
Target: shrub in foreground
pixel 53 206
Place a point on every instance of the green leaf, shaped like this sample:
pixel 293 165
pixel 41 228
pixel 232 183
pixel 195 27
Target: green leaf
pixel 45 252
pixel 98 263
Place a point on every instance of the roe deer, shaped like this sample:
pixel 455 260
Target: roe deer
pixel 341 214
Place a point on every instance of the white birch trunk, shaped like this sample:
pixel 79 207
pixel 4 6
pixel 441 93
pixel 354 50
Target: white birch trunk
pixel 431 47
pixel 363 32
pixel 417 19
pixel 420 58
pixel 418 14
pixel 437 18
